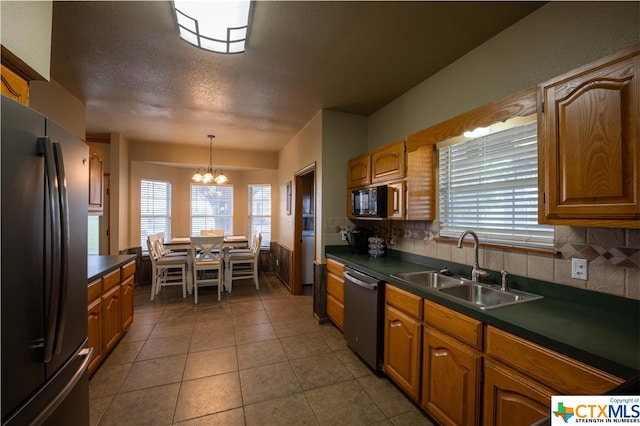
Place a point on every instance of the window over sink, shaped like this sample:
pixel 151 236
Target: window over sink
pixel 490 184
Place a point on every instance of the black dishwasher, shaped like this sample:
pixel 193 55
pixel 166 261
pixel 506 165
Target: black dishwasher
pixel 363 311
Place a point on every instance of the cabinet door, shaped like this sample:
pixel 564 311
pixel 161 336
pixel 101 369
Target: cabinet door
pixel 359 171
pixel 111 324
pixel 589 145
pixel 421 183
pixel 126 297
pixel 402 344
pixel 94 333
pixel 395 200
pixel 512 400
pixel 14 86
pixel 387 163
pixel 450 380
pixel 96 179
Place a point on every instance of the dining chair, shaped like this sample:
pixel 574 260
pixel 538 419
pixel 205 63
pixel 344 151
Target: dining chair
pixel 211 232
pixel 243 264
pixel 164 251
pixel 207 266
pixel 165 270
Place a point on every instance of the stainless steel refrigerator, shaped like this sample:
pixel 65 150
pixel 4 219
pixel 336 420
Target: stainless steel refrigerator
pixel 44 177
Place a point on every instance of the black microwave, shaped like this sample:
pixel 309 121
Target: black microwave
pixel 369 202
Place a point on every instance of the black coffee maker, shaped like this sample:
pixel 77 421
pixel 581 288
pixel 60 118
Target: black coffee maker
pixel 358 240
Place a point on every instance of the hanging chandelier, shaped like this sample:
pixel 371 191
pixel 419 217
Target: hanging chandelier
pixel 209 175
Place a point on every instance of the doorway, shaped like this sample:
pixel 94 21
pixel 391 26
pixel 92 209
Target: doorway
pixel 304 237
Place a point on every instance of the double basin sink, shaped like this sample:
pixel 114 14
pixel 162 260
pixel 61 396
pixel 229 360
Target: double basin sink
pixel 477 294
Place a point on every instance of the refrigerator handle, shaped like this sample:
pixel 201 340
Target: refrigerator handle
pixel 52 275
pixel 64 244
pixel 86 355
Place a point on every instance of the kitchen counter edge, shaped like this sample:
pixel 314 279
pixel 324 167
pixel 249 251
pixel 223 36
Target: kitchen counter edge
pixel 98 266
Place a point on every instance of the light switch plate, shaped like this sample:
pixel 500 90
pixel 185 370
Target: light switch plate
pixel 579 269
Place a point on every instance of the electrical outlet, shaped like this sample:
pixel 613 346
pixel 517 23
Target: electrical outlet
pixel 579 269
pixel 392 240
pixel 343 235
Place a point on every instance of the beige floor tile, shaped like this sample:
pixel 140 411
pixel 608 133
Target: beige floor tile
pixel 385 395
pixel 138 332
pixel 212 340
pixel 208 395
pixel 412 418
pixel 260 353
pixel 173 328
pixel 154 372
pixel 210 363
pixel 343 404
pixel 124 353
pixel 293 410
pixel 320 370
pixel 107 380
pixel 254 333
pixel 97 408
pixel 234 417
pixel 268 382
pixel 165 346
pixel 249 318
pixel 153 406
pixel 355 366
pixel 304 345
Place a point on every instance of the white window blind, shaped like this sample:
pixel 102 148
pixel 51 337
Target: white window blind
pixel 260 212
pixel 155 209
pixel 490 185
pixel 211 208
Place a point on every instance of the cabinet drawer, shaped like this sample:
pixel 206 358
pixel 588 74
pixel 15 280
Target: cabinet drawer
pixel 335 287
pixel 548 367
pixel 463 328
pixel 111 279
pixel 335 311
pixel 128 270
pixel 94 290
pixel 403 300
pixel 335 267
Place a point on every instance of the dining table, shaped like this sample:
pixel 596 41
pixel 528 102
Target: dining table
pixel 184 244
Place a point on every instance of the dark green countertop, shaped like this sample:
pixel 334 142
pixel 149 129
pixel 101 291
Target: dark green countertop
pixel 98 266
pixel 596 328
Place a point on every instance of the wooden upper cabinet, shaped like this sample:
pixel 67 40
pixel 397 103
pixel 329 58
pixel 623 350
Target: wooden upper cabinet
pixel 359 171
pixel 14 86
pixel 387 163
pixel 589 148
pixel 96 179
pixel 421 182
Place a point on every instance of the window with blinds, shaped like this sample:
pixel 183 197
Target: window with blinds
pixel 490 185
pixel 155 209
pixel 211 208
pixel 260 212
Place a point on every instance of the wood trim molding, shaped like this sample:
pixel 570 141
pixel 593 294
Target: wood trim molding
pixel 521 103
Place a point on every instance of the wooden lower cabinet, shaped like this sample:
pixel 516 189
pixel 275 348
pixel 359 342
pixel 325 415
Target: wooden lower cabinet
pixel 94 332
pixel 402 346
pixel 109 311
pixel 511 399
pixel 335 293
pixel 126 299
pixel 111 323
pixel 450 379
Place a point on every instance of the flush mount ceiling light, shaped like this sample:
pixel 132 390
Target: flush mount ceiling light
pixel 209 175
pixel 218 26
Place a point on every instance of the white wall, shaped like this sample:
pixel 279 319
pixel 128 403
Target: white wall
pixel 26 33
pixel 304 149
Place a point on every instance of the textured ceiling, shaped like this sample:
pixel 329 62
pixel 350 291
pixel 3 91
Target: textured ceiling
pixel 127 63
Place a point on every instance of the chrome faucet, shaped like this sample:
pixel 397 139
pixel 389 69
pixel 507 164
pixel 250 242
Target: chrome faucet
pixel 476 272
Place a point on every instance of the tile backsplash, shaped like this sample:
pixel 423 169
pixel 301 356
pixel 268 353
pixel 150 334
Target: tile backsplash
pixel 613 255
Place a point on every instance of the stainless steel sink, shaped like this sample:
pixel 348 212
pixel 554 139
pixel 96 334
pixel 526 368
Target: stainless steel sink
pixel 485 297
pixel 429 279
